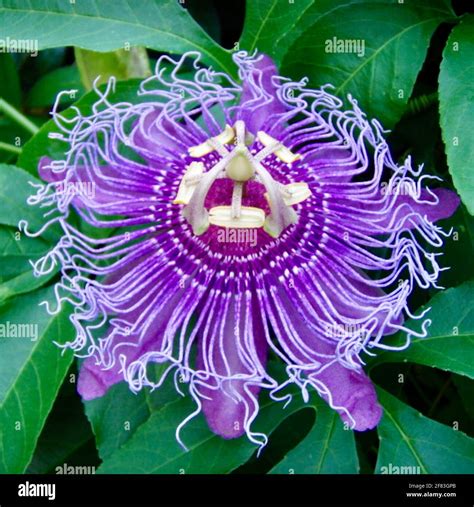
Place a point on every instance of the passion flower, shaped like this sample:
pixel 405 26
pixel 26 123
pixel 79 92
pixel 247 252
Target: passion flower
pixel 251 219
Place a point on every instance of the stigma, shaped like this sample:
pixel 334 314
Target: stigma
pixel 238 163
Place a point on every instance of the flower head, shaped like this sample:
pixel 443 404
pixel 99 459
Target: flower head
pixel 251 219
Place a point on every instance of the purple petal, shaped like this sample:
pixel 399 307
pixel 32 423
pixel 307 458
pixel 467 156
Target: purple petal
pixel 229 407
pixel 46 172
pixel 103 189
pixel 94 382
pixel 406 212
pixel 366 299
pixel 259 101
pixel 348 390
pixel 155 314
pixel 154 135
pixel 448 202
pixel 333 164
pixel 355 392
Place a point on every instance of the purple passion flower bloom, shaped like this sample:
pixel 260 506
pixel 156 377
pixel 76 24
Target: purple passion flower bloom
pixel 252 219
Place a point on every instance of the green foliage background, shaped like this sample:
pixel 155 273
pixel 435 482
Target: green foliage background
pixel 417 78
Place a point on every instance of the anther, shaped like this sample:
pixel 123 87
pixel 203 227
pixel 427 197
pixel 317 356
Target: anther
pixel 281 151
pixel 240 165
pixel 213 143
pixel 188 184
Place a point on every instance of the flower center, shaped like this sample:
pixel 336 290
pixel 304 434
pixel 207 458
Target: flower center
pixel 238 164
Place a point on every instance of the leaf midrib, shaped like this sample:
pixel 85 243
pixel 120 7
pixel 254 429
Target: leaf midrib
pixel 202 442
pixel 266 404
pixel 406 439
pixel 136 25
pixel 13 386
pixel 326 442
pixel 27 360
pixel 377 51
pixel 262 24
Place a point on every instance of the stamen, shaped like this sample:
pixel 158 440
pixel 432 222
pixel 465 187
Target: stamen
pixel 294 193
pixel 214 143
pixel 195 212
pixel 240 165
pixel 281 216
pixel 240 132
pixel 250 217
pixel 282 152
pixel 188 184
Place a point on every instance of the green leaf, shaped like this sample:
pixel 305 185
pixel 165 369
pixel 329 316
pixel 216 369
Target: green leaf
pixel 121 64
pixel 15 251
pixel 136 433
pixel 40 145
pixel 67 438
pixel 125 423
pixel 125 411
pixel 456 95
pixel 449 344
pixel 12 133
pixel 44 91
pixel 272 25
pixel 14 192
pixel 408 439
pixel 16 273
pixel 33 369
pixel 154 449
pixel 456 247
pixel 372 50
pixel 10 89
pixel 327 449
pixel 465 388
pixel 23 283
pixel 108 25
pixel 119 409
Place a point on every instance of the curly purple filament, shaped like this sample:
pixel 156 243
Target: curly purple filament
pixel 316 283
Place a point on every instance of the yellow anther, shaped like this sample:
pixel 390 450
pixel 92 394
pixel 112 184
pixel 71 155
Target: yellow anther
pixel 239 164
pixel 294 193
pixel 249 218
pixel 189 183
pixel 282 152
pixel 225 137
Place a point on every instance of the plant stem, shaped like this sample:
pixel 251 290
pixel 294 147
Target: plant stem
pixel 10 147
pixel 17 117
